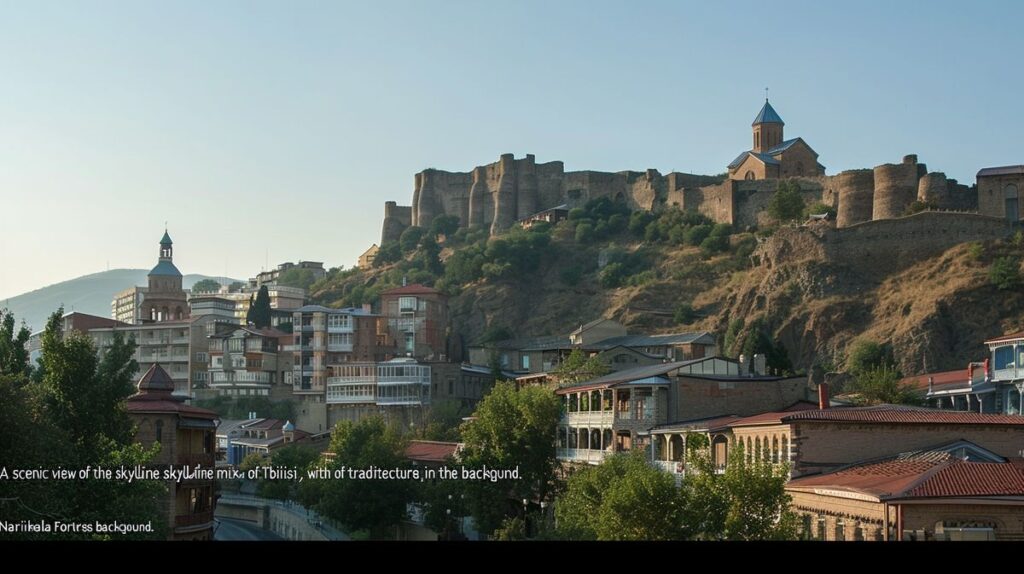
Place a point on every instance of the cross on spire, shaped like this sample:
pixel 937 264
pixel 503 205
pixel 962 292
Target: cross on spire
pixel 766 93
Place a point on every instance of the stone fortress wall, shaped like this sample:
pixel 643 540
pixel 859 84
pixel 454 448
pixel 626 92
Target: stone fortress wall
pixel 497 195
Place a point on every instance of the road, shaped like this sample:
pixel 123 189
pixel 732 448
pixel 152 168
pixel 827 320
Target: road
pixel 231 529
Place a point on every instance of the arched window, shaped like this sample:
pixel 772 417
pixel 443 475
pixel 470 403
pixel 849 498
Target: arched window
pixel 159 431
pixel 749 175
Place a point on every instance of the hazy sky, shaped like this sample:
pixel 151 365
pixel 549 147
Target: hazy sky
pixel 284 126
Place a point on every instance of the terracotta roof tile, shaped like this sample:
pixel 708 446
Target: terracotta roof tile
pixel 972 479
pixel 431 451
pixel 899 414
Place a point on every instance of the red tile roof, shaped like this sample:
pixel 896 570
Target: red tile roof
pixel 414 289
pixel 920 382
pixel 973 479
pixel 431 450
pixel 934 477
pixel 1010 337
pixel 899 414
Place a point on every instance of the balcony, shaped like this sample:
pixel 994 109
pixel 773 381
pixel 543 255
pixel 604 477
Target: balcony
pixel 402 401
pixel 194 460
pixel 197 519
pixel 590 419
pixel 339 328
pixel 340 347
pixel 589 456
pixel 241 377
pixel 350 380
pixel 339 399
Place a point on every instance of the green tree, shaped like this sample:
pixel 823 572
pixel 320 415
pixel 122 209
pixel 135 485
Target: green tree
pixel 787 204
pixel 252 461
pixel 584 233
pixel 236 286
pixel 410 238
pixel 296 457
pixel 297 277
pixel 1005 273
pixel 684 314
pixel 372 505
pixel 579 367
pixel 867 355
pixel 746 502
pixel 73 416
pixel 389 252
pixel 206 286
pixel 881 385
pixel 13 351
pixel 445 225
pixel 623 498
pixel 259 310
pixel 510 429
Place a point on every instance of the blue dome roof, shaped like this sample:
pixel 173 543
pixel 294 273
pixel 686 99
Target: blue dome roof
pixel 165 268
pixel 768 115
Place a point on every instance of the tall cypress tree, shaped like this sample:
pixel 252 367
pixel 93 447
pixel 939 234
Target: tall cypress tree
pixel 259 310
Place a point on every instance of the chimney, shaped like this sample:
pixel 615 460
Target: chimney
pixel 931 383
pixel 760 368
pixel 744 366
pixel 823 396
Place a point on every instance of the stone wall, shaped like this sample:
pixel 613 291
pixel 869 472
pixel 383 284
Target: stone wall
pixel 895 188
pixel 881 247
pixel 496 195
pixel 855 190
pixel 699 398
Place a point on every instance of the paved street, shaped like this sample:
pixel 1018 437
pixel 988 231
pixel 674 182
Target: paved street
pixel 231 529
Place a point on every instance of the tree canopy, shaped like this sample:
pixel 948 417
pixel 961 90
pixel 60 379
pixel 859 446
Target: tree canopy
pixel 72 415
pixel 374 506
pixel 579 367
pixel 510 429
pixel 206 286
pixel 259 310
pixel 787 204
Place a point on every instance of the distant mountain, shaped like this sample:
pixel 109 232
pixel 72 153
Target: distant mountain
pixel 87 294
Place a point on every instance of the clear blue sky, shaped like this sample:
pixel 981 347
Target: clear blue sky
pixel 284 126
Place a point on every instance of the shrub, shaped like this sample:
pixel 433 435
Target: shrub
pixel 1005 273
pixel 410 238
pixel 713 245
pixel 697 234
pixel 584 233
pixel 684 314
pixel 976 250
pixel 612 275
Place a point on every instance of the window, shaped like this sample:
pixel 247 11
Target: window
pixel 410 342
pixel 526 362
pixel 159 431
pixel 820 534
pixel 750 175
pixel 840 530
pixel 200 357
pixel 407 304
pixel 1003 358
